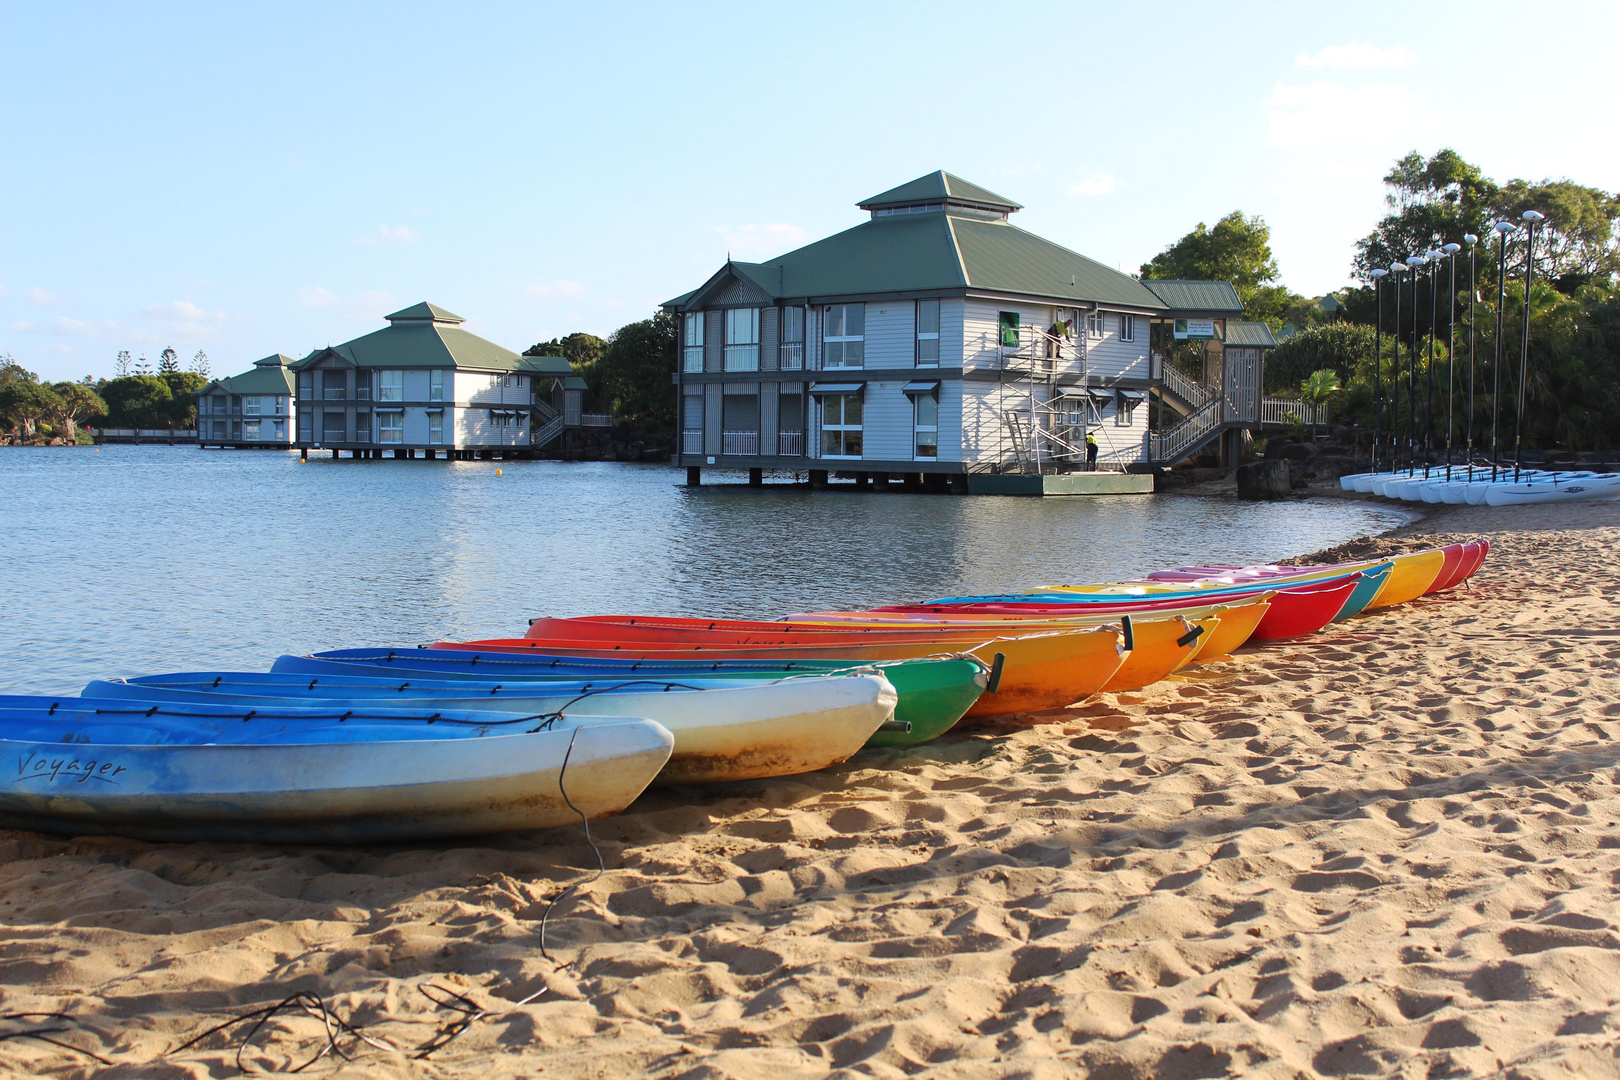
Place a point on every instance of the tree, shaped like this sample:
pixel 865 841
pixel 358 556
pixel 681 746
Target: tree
pixel 168 363
pixel 635 370
pixel 1342 348
pixel 76 404
pixel 1237 249
pixel 199 364
pixel 24 403
pixel 122 364
pixel 137 401
pixel 143 367
pixel 183 387
pixel 583 353
pixel 1575 245
pixel 1432 201
pixel 10 371
pixel 1320 388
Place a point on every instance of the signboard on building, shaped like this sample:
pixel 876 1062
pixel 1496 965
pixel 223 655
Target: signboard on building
pixel 1194 329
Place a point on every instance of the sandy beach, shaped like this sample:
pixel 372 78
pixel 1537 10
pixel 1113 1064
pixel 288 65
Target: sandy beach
pixel 1391 850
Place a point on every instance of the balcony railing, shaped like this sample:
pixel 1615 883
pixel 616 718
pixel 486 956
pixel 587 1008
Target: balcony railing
pixel 742 357
pixel 790 356
pixel 692 358
pixel 790 443
pixel 692 442
pixel 596 419
pixel 744 443
pixel 335 393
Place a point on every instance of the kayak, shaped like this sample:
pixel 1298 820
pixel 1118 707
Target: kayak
pixel 741 732
pixel 934 692
pixel 1372 580
pixel 1306 611
pixel 1045 670
pixel 1237 621
pixel 219 771
pixel 1589 488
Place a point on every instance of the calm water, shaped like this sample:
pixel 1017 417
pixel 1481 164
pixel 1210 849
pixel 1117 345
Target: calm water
pixel 142 559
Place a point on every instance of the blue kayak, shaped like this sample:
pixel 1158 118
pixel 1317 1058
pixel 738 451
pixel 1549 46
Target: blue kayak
pixel 458 663
pixel 224 770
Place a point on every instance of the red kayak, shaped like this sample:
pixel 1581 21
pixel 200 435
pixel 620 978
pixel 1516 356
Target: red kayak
pixel 1297 612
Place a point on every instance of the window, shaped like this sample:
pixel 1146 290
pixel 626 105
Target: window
pixel 281 430
pixel 928 333
pixel 844 338
pixel 362 427
pixel 390 386
pixel 841 426
pixel 250 430
pixel 250 406
pixel 334 385
pixel 1125 413
pixel 436 427
pixel 692 341
pixel 692 424
pixel 739 424
pixel 391 426
pixel 306 384
pixel 792 348
pixel 927 425
pixel 742 339
pixel 306 427
pixel 1009 329
pixel 335 429
pixel 281 404
pixel 362 386
pixel 220 407
pixel 1127 328
pixel 436 384
pixel 1094 324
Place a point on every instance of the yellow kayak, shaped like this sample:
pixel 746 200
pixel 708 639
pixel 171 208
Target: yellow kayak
pixel 1411 577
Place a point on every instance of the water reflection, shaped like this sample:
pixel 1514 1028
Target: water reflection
pixel 141 559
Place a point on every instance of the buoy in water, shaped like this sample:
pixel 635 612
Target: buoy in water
pixel 497 472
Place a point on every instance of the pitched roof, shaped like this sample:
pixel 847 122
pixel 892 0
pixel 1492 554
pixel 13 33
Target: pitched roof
pixel 1214 298
pixel 926 252
pixel 426 336
pixel 267 376
pixel 939 185
pixel 425 311
pixel 1250 335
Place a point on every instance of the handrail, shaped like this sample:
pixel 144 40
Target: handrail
pixel 1186 387
pixel 1291 410
pixel 1174 443
pixel 547 432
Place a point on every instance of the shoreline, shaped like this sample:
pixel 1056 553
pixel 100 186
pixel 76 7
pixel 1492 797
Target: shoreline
pixel 1388 850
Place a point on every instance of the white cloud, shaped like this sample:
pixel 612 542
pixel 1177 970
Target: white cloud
pixel 39 297
pixel 556 289
pixel 390 234
pixel 761 240
pixel 369 306
pixel 1359 57
pixel 67 327
pixel 1375 114
pixel 1098 183
pixel 183 311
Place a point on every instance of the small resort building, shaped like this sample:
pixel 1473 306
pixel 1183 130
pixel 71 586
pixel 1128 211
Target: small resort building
pixel 939 344
pixel 423 386
pixel 253 409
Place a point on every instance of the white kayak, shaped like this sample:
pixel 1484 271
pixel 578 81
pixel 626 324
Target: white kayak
pixel 305 776
pixel 739 732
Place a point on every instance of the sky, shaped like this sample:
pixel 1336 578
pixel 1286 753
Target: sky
pixel 251 178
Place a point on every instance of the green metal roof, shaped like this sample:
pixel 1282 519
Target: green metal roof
pixel 425 336
pixel 1214 298
pixel 927 252
pixel 1250 335
pixel 939 185
pixel 425 310
pixel 267 376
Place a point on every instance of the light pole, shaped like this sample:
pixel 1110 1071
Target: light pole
pixel 1502 229
pixel 1413 261
pixel 1395 269
pixel 1470 240
pixel 1531 220
pixel 1378 357
pixel 1451 351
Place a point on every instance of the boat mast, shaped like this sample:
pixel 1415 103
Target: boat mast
pixel 1530 217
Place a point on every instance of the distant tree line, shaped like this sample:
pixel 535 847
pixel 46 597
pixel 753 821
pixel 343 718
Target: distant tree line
pixel 627 374
pixel 34 411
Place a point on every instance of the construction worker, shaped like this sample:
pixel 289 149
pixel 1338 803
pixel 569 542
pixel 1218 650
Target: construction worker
pixel 1091 452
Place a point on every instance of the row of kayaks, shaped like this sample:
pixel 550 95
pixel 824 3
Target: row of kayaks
pixel 580 715
pixel 1478 485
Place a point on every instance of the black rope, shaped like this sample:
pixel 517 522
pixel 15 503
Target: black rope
pixel 601 865
pixel 69 1024
pixel 310 1004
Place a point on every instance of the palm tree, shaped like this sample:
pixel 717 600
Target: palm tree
pixel 1318 390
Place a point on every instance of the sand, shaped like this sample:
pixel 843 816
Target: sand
pixel 1388 851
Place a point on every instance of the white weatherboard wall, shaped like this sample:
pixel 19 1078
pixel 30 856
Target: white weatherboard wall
pixel 891 334
pixel 886 423
pixel 951 314
pixel 489 388
pixel 416 389
pixel 1110 357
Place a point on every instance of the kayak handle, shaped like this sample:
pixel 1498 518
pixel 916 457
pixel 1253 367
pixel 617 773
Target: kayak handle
pixel 997 662
pixel 1189 637
pixel 1130 635
pixel 900 727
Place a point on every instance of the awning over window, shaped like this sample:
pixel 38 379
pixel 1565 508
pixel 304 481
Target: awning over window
pixel 1133 395
pixel 837 387
pixel 1085 392
pixel 921 387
